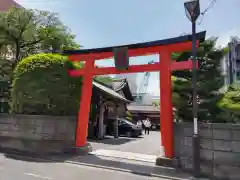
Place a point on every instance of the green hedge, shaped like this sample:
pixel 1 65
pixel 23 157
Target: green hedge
pixel 231 101
pixel 41 85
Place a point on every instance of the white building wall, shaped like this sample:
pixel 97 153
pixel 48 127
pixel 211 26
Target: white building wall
pixel 233 58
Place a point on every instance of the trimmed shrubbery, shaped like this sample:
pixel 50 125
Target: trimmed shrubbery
pixel 41 85
pixel 231 103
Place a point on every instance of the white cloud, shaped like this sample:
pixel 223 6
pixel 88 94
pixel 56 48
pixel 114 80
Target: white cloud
pixel 224 38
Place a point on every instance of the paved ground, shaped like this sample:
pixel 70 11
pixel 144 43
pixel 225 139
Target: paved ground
pixel 25 170
pixel 130 158
pixel 147 144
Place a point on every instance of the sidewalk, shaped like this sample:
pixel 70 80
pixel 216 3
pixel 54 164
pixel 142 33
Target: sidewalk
pixel 124 155
pixel 143 168
pixel 131 166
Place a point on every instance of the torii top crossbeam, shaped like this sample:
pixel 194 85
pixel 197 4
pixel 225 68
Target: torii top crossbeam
pixel 139 49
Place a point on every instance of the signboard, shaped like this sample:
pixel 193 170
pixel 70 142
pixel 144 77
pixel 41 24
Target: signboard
pixel 121 58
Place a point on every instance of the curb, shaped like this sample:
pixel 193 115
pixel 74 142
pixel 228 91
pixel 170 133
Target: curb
pixel 98 166
pixel 125 170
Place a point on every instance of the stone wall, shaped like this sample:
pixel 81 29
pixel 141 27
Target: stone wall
pixel 220 149
pixel 38 134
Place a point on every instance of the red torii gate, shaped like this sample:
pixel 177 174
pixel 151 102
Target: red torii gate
pixel 164 48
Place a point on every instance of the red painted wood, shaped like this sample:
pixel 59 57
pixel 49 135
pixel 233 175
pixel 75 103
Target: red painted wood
pixel 184 65
pixel 165 66
pixel 85 102
pixel 166 115
pixel 179 47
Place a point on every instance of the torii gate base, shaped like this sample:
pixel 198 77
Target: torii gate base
pixel 164 48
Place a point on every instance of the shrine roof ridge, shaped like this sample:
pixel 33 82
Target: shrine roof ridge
pixel 199 36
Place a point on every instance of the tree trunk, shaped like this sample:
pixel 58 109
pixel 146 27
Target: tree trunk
pixel 17 53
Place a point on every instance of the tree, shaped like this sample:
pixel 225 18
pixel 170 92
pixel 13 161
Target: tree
pixel 209 82
pixel 59 39
pixel 129 116
pixel 32 31
pixel 5 42
pixel 5 76
pixel 104 79
pixel 230 103
pixel 41 85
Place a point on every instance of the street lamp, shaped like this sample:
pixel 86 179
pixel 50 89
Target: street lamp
pixel 192 9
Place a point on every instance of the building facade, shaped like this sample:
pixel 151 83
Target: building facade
pixel 231 63
pixel 5 5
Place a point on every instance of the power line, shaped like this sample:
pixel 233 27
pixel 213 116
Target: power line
pixel 206 10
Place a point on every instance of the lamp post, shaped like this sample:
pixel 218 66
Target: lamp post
pixel 192 9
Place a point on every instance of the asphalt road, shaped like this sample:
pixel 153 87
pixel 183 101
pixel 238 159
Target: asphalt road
pixel 147 144
pixel 11 169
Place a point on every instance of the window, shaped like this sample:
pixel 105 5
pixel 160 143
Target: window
pixel 238 63
pixel 237 50
pixel 238 75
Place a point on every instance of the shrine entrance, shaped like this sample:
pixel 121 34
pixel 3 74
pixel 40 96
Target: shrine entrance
pixel 164 48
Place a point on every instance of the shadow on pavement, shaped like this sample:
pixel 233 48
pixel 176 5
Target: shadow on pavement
pixel 35 157
pixel 117 164
pixel 39 158
pixel 135 167
pixel 114 141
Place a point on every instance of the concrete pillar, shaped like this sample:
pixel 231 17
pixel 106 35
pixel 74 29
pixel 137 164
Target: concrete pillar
pixel 116 122
pixel 101 121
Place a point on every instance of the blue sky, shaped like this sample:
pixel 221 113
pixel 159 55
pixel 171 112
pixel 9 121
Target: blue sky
pixel 99 23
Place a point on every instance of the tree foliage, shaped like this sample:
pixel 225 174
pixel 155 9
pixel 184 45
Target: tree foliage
pixel 156 104
pixel 5 69
pixel 230 103
pixel 129 116
pixel 209 81
pixel 104 79
pixel 26 32
pixel 41 85
pixel 5 76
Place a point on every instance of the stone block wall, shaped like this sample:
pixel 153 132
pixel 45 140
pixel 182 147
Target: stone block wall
pixel 220 149
pixel 38 134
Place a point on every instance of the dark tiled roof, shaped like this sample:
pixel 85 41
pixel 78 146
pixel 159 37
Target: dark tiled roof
pixel 142 108
pixel 200 36
pixel 118 84
pixel 109 91
pixel 122 85
pixel 5 5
